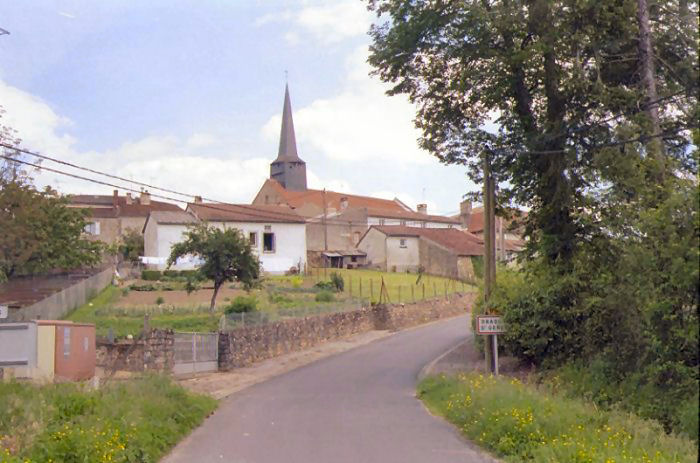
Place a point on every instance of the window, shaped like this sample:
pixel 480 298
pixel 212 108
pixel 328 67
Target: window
pixel 381 221
pixel 253 238
pixel 268 242
pixel 403 222
pixel 353 259
pixel 92 228
pixel 402 243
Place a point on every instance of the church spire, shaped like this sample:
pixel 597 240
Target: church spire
pixel 288 142
pixel 288 169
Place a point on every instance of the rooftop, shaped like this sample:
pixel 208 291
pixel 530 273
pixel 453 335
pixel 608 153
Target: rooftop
pixel 220 212
pixel 460 242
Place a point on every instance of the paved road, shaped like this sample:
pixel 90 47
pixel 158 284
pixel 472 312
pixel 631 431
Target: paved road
pixel 355 407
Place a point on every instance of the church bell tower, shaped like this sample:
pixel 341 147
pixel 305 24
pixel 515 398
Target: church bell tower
pixel 288 169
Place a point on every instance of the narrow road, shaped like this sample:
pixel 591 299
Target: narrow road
pixel 355 407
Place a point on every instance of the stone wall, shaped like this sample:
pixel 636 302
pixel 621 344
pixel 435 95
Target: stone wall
pixel 153 352
pixel 250 344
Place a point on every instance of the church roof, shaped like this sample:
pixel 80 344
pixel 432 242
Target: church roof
pixel 288 142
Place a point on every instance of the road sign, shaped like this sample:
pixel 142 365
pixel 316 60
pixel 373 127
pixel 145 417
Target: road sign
pixel 3 311
pixel 490 324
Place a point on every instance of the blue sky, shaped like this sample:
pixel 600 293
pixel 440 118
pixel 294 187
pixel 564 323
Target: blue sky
pixel 188 95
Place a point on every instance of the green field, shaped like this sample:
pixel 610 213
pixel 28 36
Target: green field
pixel 522 423
pixel 127 421
pixel 123 310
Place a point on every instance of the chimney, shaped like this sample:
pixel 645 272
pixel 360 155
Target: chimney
pixel 198 200
pixel 129 199
pixel 115 198
pixel 343 203
pixel 145 198
pixel 465 212
pixel 422 209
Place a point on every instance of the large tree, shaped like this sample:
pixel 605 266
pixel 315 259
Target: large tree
pixel 226 256
pixel 560 79
pixel 40 233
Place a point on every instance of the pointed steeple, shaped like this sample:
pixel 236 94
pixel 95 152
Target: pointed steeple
pixel 288 140
pixel 288 169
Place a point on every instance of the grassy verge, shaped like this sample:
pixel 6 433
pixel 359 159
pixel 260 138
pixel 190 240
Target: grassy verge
pixel 521 423
pixel 133 421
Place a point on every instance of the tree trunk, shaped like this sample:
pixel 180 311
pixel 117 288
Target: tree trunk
pixel 217 286
pixel 655 146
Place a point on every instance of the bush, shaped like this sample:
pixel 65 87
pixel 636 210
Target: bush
pixel 159 300
pixel 242 304
pixel 338 282
pixel 325 286
pixel 151 275
pixel 325 296
pixel 146 287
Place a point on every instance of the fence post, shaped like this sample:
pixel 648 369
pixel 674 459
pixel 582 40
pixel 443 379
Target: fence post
pixel 423 292
pixel 434 289
pixel 399 294
pixel 445 289
pixel 413 294
pixel 371 290
pixel 360 287
pixel 350 284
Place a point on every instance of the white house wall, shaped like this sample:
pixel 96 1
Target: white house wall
pixel 167 236
pixel 401 258
pixel 290 244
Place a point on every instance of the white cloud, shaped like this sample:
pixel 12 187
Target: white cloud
pixel 170 161
pixel 359 123
pixel 328 22
pixel 316 183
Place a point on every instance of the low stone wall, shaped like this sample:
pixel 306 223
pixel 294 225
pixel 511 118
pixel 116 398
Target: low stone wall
pixel 250 344
pixel 153 352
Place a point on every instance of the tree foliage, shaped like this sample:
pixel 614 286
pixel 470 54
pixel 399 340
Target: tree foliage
pixel 559 79
pixel 131 245
pixel 226 256
pixel 40 233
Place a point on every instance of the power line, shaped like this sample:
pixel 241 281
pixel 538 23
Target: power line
pixel 87 169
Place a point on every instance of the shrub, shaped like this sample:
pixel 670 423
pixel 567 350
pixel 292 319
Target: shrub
pixel 297 282
pixel 325 286
pixel 146 287
pixel 151 275
pixel 159 300
pixel 242 304
pixel 325 296
pixel 338 282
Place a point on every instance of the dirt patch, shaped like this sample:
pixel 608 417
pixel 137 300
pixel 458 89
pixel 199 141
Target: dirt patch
pixel 178 298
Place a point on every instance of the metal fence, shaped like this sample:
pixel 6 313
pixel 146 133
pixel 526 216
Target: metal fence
pixel 195 353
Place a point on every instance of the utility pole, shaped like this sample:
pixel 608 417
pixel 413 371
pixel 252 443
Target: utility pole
pixel 325 224
pixel 489 253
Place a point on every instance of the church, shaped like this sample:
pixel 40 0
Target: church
pixel 336 221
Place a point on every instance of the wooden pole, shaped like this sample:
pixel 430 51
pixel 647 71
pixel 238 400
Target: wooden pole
pixel 489 252
pixel 399 294
pixel 371 290
pixel 360 287
pixel 413 294
pixel 350 285
pixel 423 292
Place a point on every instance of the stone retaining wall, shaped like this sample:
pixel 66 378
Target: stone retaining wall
pixel 153 352
pixel 250 344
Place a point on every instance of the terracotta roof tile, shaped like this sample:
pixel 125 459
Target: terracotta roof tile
pixel 135 209
pixel 460 242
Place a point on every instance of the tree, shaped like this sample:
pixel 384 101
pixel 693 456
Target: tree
pixel 560 78
pixel 226 256
pixel 40 233
pixel 131 245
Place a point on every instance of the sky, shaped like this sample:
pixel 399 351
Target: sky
pixel 187 95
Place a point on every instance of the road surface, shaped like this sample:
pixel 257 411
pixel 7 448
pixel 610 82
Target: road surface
pixel 355 407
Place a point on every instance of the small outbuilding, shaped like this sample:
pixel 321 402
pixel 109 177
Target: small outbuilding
pixel 437 251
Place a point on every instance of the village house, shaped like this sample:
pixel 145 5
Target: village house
pixel 112 216
pixel 508 231
pixel 335 221
pixel 438 251
pixel 275 233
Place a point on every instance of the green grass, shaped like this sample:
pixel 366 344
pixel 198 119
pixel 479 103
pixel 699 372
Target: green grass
pixel 127 421
pixel 402 287
pixel 520 423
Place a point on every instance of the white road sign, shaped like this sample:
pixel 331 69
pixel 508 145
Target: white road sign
pixel 490 324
